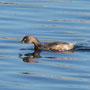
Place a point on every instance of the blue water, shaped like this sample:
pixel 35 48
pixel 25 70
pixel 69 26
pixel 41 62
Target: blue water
pixel 48 20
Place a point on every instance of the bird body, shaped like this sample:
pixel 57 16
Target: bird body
pixel 58 46
pixel 53 46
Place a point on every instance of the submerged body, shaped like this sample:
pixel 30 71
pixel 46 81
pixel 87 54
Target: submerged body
pixel 53 46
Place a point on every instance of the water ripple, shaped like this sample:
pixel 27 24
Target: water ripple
pixel 48 20
pixel 23 4
pixel 57 77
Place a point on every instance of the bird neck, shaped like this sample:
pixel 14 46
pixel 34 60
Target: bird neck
pixel 36 42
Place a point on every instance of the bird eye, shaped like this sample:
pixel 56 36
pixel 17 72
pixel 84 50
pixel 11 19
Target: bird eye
pixel 24 39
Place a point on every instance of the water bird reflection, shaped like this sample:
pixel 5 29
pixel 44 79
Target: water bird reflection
pixel 30 57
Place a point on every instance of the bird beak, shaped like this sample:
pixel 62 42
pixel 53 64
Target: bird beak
pixel 21 42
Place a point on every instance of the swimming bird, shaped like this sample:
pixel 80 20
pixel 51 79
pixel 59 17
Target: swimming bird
pixel 52 46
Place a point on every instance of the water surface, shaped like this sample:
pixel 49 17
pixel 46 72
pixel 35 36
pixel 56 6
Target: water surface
pixel 23 68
